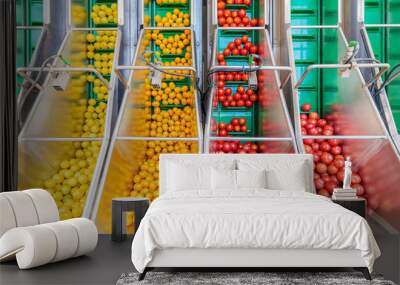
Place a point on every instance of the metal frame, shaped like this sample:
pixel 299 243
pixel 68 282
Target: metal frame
pixel 296 83
pixel 92 190
pixel 383 98
pixel 214 68
pixel 127 87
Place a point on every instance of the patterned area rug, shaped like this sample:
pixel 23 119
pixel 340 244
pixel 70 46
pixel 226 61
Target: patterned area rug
pixel 243 278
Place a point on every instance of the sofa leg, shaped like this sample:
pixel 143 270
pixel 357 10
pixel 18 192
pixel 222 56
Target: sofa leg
pixel 142 275
pixel 365 272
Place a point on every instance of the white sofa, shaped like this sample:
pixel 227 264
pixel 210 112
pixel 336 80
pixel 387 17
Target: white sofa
pixel 31 232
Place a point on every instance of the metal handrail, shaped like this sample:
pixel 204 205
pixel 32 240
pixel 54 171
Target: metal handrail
pixel 23 70
pixel 250 139
pixel 124 82
pixel 384 66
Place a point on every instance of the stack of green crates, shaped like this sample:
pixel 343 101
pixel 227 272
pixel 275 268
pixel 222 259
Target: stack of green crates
pixel 28 13
pixel 226 114
pixel 385 43
pixel 313 46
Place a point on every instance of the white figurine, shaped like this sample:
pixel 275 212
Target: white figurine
pixel 347 174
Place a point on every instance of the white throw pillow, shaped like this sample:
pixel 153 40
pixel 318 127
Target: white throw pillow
pixel 294 179
pixel 181 177
pixel 251 178
pixel 283 173
pixel 223 179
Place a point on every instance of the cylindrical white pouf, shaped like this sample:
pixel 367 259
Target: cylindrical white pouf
pixel 7 217
pixel 34 246
pixel 87 234
pixel 23 208
pixel 45 205
pixel 67 240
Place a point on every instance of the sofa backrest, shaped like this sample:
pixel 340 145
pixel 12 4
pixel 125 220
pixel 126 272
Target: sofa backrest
pixel 271 161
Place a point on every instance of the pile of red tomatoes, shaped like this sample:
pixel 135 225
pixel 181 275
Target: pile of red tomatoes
pixel 233 18
pixel 329 155
pixel 240 46
pixel 235 147
pixel 236 125
pixel 241 98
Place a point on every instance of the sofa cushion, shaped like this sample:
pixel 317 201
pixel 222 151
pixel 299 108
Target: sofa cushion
pixel 251 178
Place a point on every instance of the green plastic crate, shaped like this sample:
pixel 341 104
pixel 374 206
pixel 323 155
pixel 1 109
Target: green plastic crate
pixel 153 9
pixel 227 116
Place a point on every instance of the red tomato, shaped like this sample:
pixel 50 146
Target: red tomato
pixel 227 13
pixel 220 13
pixel 238 42
pixel 238 77
pixel 221 126
pixel 225 104
pixel 336 150
pixel 242 13
pixel 253 50
pixel 317 158
pixel 338 163
pixel 240 103
pixel 222 76
pixel 315 146
pixel 306 107
pixel 355 178
pixel 248 103
pixel 253 98
pixel 319 183
pixel 228 91
pixel 229 128
pixel 312 132
pixel 321 122
pixel 327 132
pixel 235 121
pixel 313 115
pixel 227 52
pixel 235 51
pixel 245 77
pixel 220 92
pixel 244 52
pixel 325 146
pixel 226 147
pixel 253 22
pixel 229 77
pixel 245 97
pixel 240 89
pixel 222 98
pixel 237 20
pixel 242 121
pixel 220 57
pixel 232 103
pixel 221 5
pixel 333 142
pixel 245 21
pixel 239 1
pixel 332 169
pixel 247 2
pixel 303 116
pixel 236 97
pixel 308 141
pixel 243 129
pixel 326 158
pixel 236 128
pixel 229 20
pixel 324 192
pixel 231 45
pixel 234 14
pixel 221 21
pixel 220 84
pixel 321 168
pixel 248 45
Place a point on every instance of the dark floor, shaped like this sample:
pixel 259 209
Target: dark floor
pixel 110 259
pixel 103 266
